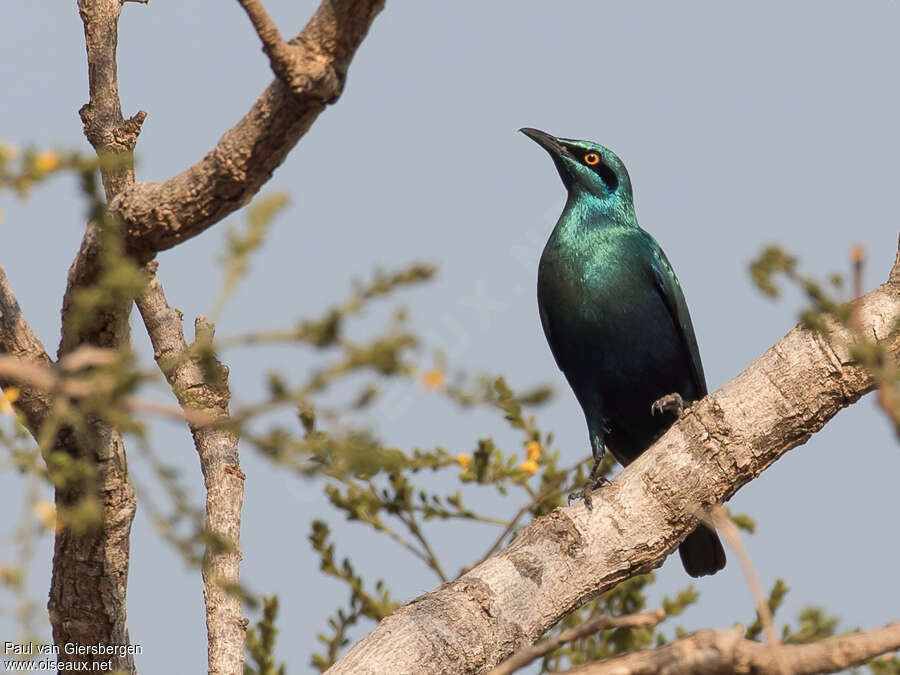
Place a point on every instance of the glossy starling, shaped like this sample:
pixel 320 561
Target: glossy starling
pixel 616 320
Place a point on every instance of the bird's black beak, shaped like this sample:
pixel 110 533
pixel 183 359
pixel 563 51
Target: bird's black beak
pixel 557 151
pixel 549 143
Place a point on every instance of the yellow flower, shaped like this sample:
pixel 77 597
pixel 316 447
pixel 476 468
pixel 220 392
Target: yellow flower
pixel 433 379
pixel 529 466
pixel 46 161
pixel 46 514
pixel 9 396
pixel 464 460
pixel 533 450
pixel 7 152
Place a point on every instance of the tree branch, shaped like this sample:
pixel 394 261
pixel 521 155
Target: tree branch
pixel 108 132
pixel 571 555
pixel 158 216
pixel 525 656
pixel 19 341
pixel 726 651
pixel 90 569
pixel 217 446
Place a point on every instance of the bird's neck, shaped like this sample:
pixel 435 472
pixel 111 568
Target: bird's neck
pixel 585 212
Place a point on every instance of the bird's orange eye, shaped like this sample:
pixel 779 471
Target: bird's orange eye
pixel 592 158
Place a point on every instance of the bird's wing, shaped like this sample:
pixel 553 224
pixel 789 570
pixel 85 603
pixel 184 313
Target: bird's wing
pixel 673 298
pixel 548 333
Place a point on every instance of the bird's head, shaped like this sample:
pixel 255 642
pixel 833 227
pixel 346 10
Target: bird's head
pixel 586 166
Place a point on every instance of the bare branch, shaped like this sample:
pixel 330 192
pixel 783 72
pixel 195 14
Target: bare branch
pixel 725 651
pixel 218 450
pixel 525 656
pixel 19 341
pixel 104 125
pixel 160 215
pixel 274 47
pixel 571 555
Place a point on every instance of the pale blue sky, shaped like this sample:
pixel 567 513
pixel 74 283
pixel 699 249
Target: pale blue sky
pixel 740 125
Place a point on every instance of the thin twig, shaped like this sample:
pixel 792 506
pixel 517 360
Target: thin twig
pixel 433 563
pixel 46 380
pixel 719 520
pixel 525 656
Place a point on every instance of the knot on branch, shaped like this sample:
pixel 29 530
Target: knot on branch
pixel 308 73
pixel 106 135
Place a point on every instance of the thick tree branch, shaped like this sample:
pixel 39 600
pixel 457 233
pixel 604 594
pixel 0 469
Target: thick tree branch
pixel 726 651
pixel 217 446
pixel 19 341
pixel 571 555
pixel 90 569
pixel 113 138
pixel 160 215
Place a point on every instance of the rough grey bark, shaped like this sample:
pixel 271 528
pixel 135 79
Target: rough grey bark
pixel 571 555
pixel 723 652
pixel 218 450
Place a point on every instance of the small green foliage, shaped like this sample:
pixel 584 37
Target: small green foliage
pixel 814 625
pixel 742 521
pixel 776 597
pixel 242 244
pixel 772 261
pixel 261 642
pixel 682 600
pixel 889 664
pixel 825 312
pixel 373 606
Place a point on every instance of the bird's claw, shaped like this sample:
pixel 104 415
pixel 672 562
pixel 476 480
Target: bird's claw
pixel 591 484
pixel 668 403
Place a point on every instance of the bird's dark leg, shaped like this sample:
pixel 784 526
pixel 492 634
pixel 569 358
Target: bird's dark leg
pixel 594 481
pixel 668 403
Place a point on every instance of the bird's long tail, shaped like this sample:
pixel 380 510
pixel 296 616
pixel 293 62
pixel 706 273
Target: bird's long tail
pixel 702 552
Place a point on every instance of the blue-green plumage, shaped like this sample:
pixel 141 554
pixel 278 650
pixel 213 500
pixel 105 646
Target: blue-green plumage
pixel 615 317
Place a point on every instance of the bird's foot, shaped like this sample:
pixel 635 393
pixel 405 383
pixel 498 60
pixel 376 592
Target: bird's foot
pixel 591 484
pixel 668 403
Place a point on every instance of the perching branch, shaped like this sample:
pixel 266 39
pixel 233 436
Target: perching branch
pixel 571 555
pixel 200 390
pixel 158 216
pixel 726 651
